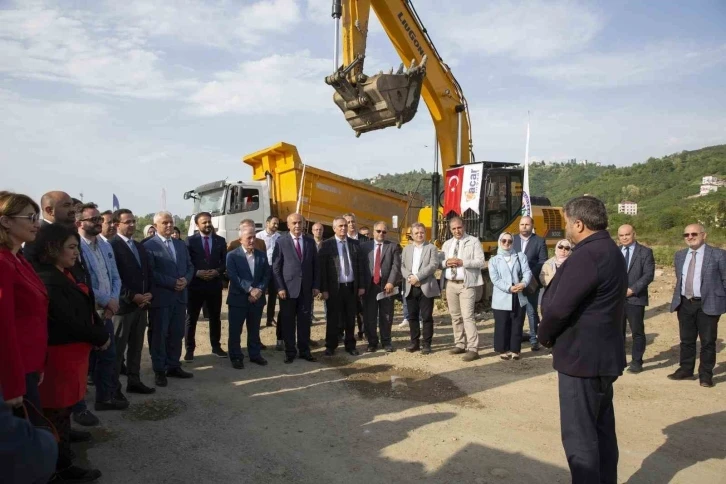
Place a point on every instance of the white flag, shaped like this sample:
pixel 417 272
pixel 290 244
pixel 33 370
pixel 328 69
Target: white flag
pixel 526 201
pixel 471 187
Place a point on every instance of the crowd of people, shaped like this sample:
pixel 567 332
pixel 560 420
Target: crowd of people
pixel 79 297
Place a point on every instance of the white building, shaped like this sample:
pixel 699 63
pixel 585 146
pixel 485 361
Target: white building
pixel 628 208
pixel 710 184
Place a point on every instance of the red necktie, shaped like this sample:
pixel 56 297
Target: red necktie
pixel 207 252
pixel 297 248
pixel 377 265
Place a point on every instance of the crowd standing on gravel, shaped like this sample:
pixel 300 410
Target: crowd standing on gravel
pixel 79 297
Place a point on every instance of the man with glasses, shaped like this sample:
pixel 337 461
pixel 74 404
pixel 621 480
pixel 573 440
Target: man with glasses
pixel 700 299
pixel 641 270
pixel 383 274
pixel 462 280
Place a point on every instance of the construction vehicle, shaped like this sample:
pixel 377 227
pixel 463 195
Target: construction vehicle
pixel 387 99
pixel 281 184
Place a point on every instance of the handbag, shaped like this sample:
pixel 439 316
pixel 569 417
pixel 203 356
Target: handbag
pixel 533 286
pixel 50 428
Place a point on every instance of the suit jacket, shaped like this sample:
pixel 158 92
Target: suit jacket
pixel 504 278
pixel 472 256
pixel 713 280
pixel 536 253
pixel 166 271
pixel 390 262
pixel 217 260
pixel 582 310
pixel 297 277
pixel 640 273
pixel 429 264
pixel 330 265
pixel 95 269
pixel 241 280
pixel 136 278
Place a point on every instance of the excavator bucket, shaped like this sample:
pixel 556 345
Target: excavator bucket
pixel 379 101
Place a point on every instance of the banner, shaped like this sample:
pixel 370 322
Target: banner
pixel 115 203
pixel 452 192
pixel 471 190
pixel 526 201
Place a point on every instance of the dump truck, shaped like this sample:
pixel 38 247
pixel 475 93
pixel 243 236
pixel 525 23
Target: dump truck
pixel 281 184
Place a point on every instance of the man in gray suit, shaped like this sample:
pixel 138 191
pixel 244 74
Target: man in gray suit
pixel 172 268
pixel 641 270
pixel 383 274
pixel 418 265
pixel 700 299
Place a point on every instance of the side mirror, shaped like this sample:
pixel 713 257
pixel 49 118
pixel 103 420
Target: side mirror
pixel 189 194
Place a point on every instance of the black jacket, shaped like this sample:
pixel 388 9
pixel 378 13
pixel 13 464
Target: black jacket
pixel 640 273
pixel 71 314
pixel 330 265
pixel 135 278
pixel 217 260
pixel 582 310
pixel 536 253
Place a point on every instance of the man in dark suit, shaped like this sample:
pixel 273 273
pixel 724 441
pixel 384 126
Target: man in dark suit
pixel 356 237
pixel 641 270
pixel 383 274
pixel 535 248
pixel 172 268
pixel 249 274
pixel 297 279
pixel 341 283
pixel 208 252
pixel 582 317
pixel 131 319
pixel 700 299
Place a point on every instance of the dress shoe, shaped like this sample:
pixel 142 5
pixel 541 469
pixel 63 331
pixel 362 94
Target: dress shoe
pixel 328 352
pixel 314 344
pixel 160 379
pixel 119 395
pixel 237 364
pixel 138 387
pixel 680 374
pixel 371 349
pixel 189 355
pixel 112 404
pixel 457 351
pixel 271 323
pixel 470 356
pixel 86 418
pixel 280 345
pixel 426 350
pixel 74 474
pixel 535 347
pixel 353 352
pixel 76 436
pixel 389 348
pixel 412 347
pixel 263 347
pixel 259 361
pixel 289 359
pixel 361 335
pixel 178 373
pixel 124 370
pixel 635 367
pixel 706 381
pixel 219 352
pixel 309 358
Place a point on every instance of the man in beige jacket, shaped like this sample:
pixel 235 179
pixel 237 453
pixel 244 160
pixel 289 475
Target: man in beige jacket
pixel 463 261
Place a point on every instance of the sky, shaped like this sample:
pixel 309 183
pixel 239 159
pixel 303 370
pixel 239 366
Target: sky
pixel 103 97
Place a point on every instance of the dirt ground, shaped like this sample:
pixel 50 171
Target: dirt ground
pixel 401 418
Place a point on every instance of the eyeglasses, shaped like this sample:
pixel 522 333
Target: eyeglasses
pixel 384 232
pixel 92 219
pixel 129 222
pixel 692 234
pixel 33 217
pixel 564 247
pixel 506 242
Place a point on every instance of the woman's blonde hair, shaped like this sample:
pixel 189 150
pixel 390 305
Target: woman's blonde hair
pixel 12 204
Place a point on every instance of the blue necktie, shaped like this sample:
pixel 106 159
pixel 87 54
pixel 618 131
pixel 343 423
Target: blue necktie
pixel 135 251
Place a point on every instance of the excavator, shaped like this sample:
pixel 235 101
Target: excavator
pixel 486 194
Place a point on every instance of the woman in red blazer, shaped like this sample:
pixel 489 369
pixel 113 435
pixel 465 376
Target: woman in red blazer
pixel 23 304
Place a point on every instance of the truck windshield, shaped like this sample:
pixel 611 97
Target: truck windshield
pixel 211 201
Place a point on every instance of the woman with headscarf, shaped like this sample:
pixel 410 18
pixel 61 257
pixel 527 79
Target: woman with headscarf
pixel 510 274
pixel 563 249
pixel 149 232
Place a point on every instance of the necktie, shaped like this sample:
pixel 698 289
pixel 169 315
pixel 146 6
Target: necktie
pixel 170 249
pixel 207 252
pixel 689 276
pixel 456 255
pixel 297 248
pixel 346 262
pixel 377 265
pixel 627 258
pixel 134 251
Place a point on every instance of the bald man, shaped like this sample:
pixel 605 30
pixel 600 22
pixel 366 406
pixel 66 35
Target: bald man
pixel 641 270
pixel 55 207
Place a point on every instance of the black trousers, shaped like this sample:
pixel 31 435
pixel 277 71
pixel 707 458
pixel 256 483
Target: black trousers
pixel 420 306
pixel 271 301
pixel 635 315
pixel 587 423
pixel 197 298
pixel 342 309
pixel 508 328
pixel 295 318
pixel 693 323
pixel 378 316
pixel 61 420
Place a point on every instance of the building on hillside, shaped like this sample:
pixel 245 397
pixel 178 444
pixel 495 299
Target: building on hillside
pixel 628 208
pixel 710 184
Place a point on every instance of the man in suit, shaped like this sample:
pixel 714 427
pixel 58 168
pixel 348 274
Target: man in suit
pixel 341 284
pixel 354 236
pixel 172 269
pixel 383 274
pixel 208 253
pixel 318 231
pixel 462 280
pixel 269 236
pixel 641 270
pixel 420 287
pixel 249 274
pixel 535 248
pixel 582 317
pixel 296 273
pixel 700 299
pixel 131 320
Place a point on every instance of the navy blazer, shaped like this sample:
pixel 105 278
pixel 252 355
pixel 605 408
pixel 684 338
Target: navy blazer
pixel 166 271
pixel 241 279
pixel 641 272
pixel 217 260
pixel 536 253
pixel 330 266
pixel 135 278
pixel 297 277
pixel 713 280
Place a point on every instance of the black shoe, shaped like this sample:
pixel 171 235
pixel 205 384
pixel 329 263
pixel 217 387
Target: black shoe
pixel 219 352
pixel 535 347
pixel 706 381
pixel 259 361
pixel 76 474
pixel 86 418
pixel 138 387
pixel 124 370
pixel 263 347
pixel 470 356
pixel 289 359
pixel 271 323
pixel 361 335
pixel 112 404
pixel 309 358
pixel 353 352
pixel 119 395
pixel 314 344
pixel 457 351
pixel 189 355
pixel 389 348
pixel 413 347
pixel 237 364
pixel 371 349
pixel 329 352
pixel 160 379
pixel 280 345
pixel 178 373
pixel 77 436
pixel 426 350
pixel 635 367
pixel 680 374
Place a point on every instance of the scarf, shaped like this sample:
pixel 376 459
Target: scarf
pixel 501 250
pixel 559 260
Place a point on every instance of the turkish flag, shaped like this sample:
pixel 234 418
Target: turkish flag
pixel 452 192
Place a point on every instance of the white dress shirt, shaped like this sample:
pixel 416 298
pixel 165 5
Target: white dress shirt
pixel 630 256
pixel 696 273
pixel 342 277
pixel 251 262
pixel 459 271
pixel 416 262
pixel 524 242
pixel 270 241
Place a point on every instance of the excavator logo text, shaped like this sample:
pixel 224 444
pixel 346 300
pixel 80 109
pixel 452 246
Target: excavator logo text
pixel 411 35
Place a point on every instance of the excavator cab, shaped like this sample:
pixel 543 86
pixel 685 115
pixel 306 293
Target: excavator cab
pixel 378 101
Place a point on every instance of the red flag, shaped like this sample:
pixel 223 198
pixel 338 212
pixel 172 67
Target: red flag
pixel 452 191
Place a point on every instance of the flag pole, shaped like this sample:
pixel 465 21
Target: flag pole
pixel 526 200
